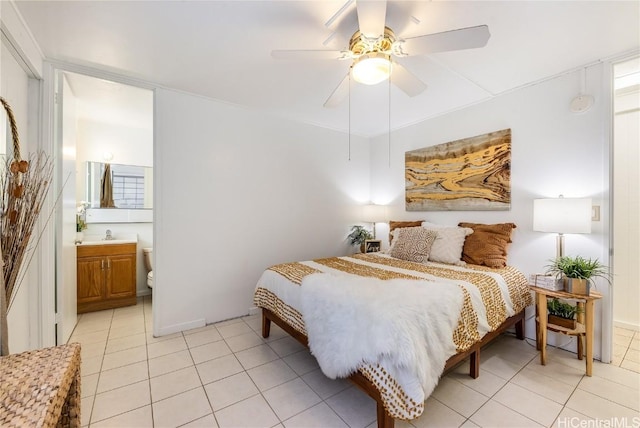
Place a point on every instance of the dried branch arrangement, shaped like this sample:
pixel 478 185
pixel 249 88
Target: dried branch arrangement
pixel 23 188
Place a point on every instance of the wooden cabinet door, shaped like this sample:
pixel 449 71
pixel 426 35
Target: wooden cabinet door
pixel 121 276
pixel 90 279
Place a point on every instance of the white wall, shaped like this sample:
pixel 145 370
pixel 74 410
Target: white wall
pixel 236 192
pixel 554 152
pixel 129 146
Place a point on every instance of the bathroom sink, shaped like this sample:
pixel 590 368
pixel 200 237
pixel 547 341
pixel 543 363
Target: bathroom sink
pixel 117 239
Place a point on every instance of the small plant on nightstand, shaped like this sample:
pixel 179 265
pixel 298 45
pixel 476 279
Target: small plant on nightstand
pixel 562 314
pixel 578 273
pixel 358 235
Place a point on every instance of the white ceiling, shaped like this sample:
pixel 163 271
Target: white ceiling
pixel 99 100
pixel 221 49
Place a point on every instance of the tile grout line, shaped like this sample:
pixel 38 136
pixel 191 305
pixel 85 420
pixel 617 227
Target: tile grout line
pixel 195 366
pixel 95 393
pixel 146 349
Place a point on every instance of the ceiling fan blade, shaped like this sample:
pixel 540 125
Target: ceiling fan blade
pixel 463 38
pixel 407 81
pixel 339 94
pixel 371 17
pixel 305 54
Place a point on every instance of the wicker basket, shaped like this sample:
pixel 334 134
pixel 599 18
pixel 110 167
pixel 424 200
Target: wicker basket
pixel 41 388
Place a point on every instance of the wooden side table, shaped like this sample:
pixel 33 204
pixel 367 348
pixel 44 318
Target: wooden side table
pixel 584 329
pixel 41 388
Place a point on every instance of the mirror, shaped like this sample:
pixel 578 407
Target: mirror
pixel 131 186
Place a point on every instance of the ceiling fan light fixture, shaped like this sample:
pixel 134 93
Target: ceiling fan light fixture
pixel 371 68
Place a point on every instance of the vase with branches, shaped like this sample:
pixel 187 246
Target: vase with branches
pixel 24 185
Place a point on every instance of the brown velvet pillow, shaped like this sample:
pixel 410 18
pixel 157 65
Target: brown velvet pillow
pixel 397 224
pixel 488 243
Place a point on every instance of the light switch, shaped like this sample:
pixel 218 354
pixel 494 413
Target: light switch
pixel 595 213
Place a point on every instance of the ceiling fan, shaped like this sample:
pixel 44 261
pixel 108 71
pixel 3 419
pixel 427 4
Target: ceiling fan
pixel 374 49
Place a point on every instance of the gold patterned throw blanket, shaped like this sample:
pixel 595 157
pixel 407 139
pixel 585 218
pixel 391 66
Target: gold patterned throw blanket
pixel 482 297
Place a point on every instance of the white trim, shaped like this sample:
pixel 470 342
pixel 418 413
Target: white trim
pixel 626 325
pixel 179 327
pixel 47 271
pixel 157 219
pixel 22 42
pixel 606 336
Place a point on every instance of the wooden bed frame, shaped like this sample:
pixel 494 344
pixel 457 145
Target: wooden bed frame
pixel 384 420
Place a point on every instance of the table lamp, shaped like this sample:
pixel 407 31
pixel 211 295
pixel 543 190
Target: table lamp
pixel 562 215
pixel 374 213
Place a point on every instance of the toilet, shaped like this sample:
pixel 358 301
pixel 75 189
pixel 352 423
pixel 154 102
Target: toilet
pixel 148 263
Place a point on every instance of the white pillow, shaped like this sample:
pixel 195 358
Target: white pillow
pixel 447 248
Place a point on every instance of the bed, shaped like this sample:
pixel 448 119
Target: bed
pixel 488 301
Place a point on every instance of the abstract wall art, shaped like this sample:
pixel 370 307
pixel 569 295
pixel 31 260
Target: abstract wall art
pixel 472 174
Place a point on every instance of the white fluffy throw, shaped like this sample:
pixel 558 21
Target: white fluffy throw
pixel 404 325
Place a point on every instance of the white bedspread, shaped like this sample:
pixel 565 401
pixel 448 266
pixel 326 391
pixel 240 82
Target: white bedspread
pixel 404 325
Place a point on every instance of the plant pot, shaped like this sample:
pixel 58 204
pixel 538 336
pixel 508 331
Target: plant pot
pixel 362 247
pixel 577 286
pixel 562 322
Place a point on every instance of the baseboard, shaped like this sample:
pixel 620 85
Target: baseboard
pixel 254 310
pixel 140 293
pixel 626 325
pixel 180 327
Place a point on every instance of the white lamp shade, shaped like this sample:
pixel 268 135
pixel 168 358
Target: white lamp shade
pixel 373 213
pixel 562 215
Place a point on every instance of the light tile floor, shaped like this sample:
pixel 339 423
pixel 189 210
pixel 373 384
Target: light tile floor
pixel 226 375
pixel 626 349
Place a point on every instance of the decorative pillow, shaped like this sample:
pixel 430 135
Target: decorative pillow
pixel 397 224
pixel 488 243
pixel 412 243
pixel 447 248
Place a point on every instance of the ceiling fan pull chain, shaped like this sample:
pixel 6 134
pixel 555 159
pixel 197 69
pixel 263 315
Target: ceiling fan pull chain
pixel 349 115
pixel 389 134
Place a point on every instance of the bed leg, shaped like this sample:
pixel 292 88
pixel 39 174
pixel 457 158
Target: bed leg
pixel 474 364
pixel 384 420
pixel 266 325
pixel 520 329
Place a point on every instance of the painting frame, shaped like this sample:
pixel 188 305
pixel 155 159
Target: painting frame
pixel 372 245
pixel 470 174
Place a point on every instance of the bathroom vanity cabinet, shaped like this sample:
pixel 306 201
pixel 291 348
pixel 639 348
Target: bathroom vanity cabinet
pixel 106 276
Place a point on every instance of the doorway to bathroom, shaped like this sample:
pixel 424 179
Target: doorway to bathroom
pixel 626 218
pixel 104 140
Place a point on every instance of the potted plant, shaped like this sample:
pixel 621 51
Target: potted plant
pixel 578 273
pixel 562 314
pixel 358 235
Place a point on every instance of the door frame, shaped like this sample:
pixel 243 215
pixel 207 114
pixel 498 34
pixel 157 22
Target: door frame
pixel 48 264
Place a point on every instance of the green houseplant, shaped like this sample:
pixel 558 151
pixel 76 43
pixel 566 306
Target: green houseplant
pixel 562 314
pixel 358 235
pixel 578 273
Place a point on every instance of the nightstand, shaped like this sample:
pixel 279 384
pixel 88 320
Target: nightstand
pixel 583 330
